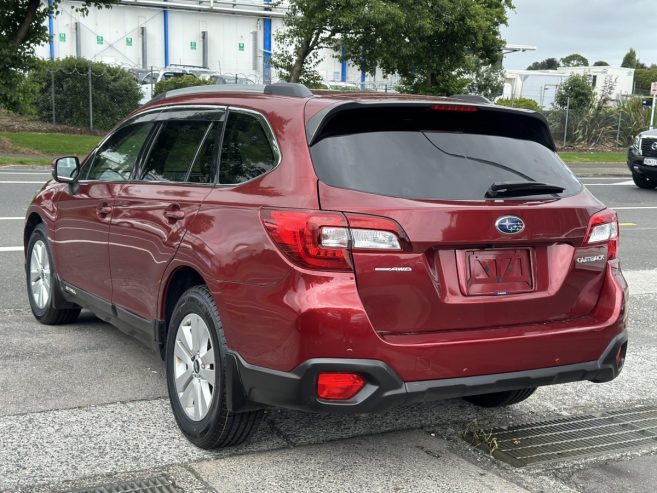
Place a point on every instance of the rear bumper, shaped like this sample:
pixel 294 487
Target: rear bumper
pixel 250 386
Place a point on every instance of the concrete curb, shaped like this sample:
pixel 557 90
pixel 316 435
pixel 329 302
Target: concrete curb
pixel 584 170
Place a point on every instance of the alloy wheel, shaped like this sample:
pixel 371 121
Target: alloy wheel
pixel 40 274
pixel 194 367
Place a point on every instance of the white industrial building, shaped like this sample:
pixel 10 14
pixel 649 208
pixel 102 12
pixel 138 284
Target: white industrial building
pixel 229 37
pixel 541 85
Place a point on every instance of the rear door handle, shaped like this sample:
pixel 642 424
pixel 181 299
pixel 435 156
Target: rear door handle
pixel 174 212
pixel 104 209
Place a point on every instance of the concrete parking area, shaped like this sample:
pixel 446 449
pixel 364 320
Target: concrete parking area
pixel 83 405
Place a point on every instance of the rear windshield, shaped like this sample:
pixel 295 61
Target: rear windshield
pixel 435 164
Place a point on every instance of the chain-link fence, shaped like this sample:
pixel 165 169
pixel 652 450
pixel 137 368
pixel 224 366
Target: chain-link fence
pixel 601 125
pixel 83 94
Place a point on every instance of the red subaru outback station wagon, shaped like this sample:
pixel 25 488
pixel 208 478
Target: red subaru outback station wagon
pixel 332 253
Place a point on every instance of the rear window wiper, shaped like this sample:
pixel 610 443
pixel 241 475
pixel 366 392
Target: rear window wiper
pixel 521 188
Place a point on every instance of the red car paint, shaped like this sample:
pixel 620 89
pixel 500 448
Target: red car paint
pixel 112 240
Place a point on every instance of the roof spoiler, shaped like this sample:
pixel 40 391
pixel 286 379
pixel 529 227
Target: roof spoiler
pixel 487 119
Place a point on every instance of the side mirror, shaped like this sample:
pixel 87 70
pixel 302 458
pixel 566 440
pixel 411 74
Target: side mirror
pixel 66 169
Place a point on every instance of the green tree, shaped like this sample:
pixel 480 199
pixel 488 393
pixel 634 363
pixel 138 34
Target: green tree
pixel 630 59
pixel 115 92
pixel 547 64
pixel 485 80
pixel 600 63
pixel 179 83
pixel 430 43
pixel 644 77
pixel 285 62
pixel 574 60
pixel 576 92
pixel 311 25
pixel 22 28
pixel 526 103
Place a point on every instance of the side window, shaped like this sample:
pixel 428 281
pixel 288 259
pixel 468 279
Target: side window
pixel 117 157
pixel 174 150
pixel 247 150
pixel 205 165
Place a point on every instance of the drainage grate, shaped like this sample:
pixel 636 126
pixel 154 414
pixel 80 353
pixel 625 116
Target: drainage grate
pixel 158 484
pixel 569 437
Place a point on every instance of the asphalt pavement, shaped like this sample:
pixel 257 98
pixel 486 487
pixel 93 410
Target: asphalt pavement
pixel 83 404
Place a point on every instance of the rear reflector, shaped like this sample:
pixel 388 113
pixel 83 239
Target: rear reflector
pixel 339 386
pixel 603 228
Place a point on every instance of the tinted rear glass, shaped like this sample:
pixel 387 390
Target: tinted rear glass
pixel 434 164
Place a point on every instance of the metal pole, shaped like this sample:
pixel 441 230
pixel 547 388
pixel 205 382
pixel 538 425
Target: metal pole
pixel 652 112
pixel 152 84
pixel 565 127
pixel 91 103
pixel 620 115
pixel 52 93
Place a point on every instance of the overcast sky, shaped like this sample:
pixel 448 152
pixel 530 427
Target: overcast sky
pixel 597 29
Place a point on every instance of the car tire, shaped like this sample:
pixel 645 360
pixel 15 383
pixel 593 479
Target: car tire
pixel 42 282
pixel 196 375
pixel 643 182
pixel 500 399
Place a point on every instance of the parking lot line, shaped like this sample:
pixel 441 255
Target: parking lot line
pixel 11 218
pixel 633 208
pixel 16 182
pixel 626 224
pixel 11 249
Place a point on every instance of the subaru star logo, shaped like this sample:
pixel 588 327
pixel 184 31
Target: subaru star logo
pixel 509 225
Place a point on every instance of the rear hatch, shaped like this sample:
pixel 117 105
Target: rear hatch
pixel 468 261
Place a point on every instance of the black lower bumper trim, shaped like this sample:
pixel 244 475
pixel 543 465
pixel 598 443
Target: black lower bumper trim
pixel 250 386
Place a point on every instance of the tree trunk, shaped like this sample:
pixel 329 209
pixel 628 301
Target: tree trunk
pixel 300 60
pixel 24 28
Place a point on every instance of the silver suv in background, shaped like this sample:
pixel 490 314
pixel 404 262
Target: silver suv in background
pixel 642 159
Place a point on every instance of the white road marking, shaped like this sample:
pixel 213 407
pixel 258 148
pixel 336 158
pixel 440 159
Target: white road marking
pixel 11 249
pixel 11 218
pixel 634 207
pixel 627 182
pixel 585 178
pixel 13 182
pixel 24 173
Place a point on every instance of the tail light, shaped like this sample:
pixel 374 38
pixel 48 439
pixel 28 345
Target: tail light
pixel 603 228
pixel 339 386
pixel 325 240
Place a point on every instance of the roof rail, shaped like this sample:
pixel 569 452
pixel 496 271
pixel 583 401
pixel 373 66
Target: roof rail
pixel 288 89
pixel 471 98
pixel 278 89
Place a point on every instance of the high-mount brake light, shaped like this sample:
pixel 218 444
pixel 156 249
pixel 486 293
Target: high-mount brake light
pixel 325 240
pixel 603 228
pixel 453 107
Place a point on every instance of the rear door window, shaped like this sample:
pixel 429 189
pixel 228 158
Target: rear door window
pixel 432 162
pixel 175 152
pixel 248 149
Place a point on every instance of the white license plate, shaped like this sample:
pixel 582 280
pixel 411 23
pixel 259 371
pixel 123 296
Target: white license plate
pixel 649 161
